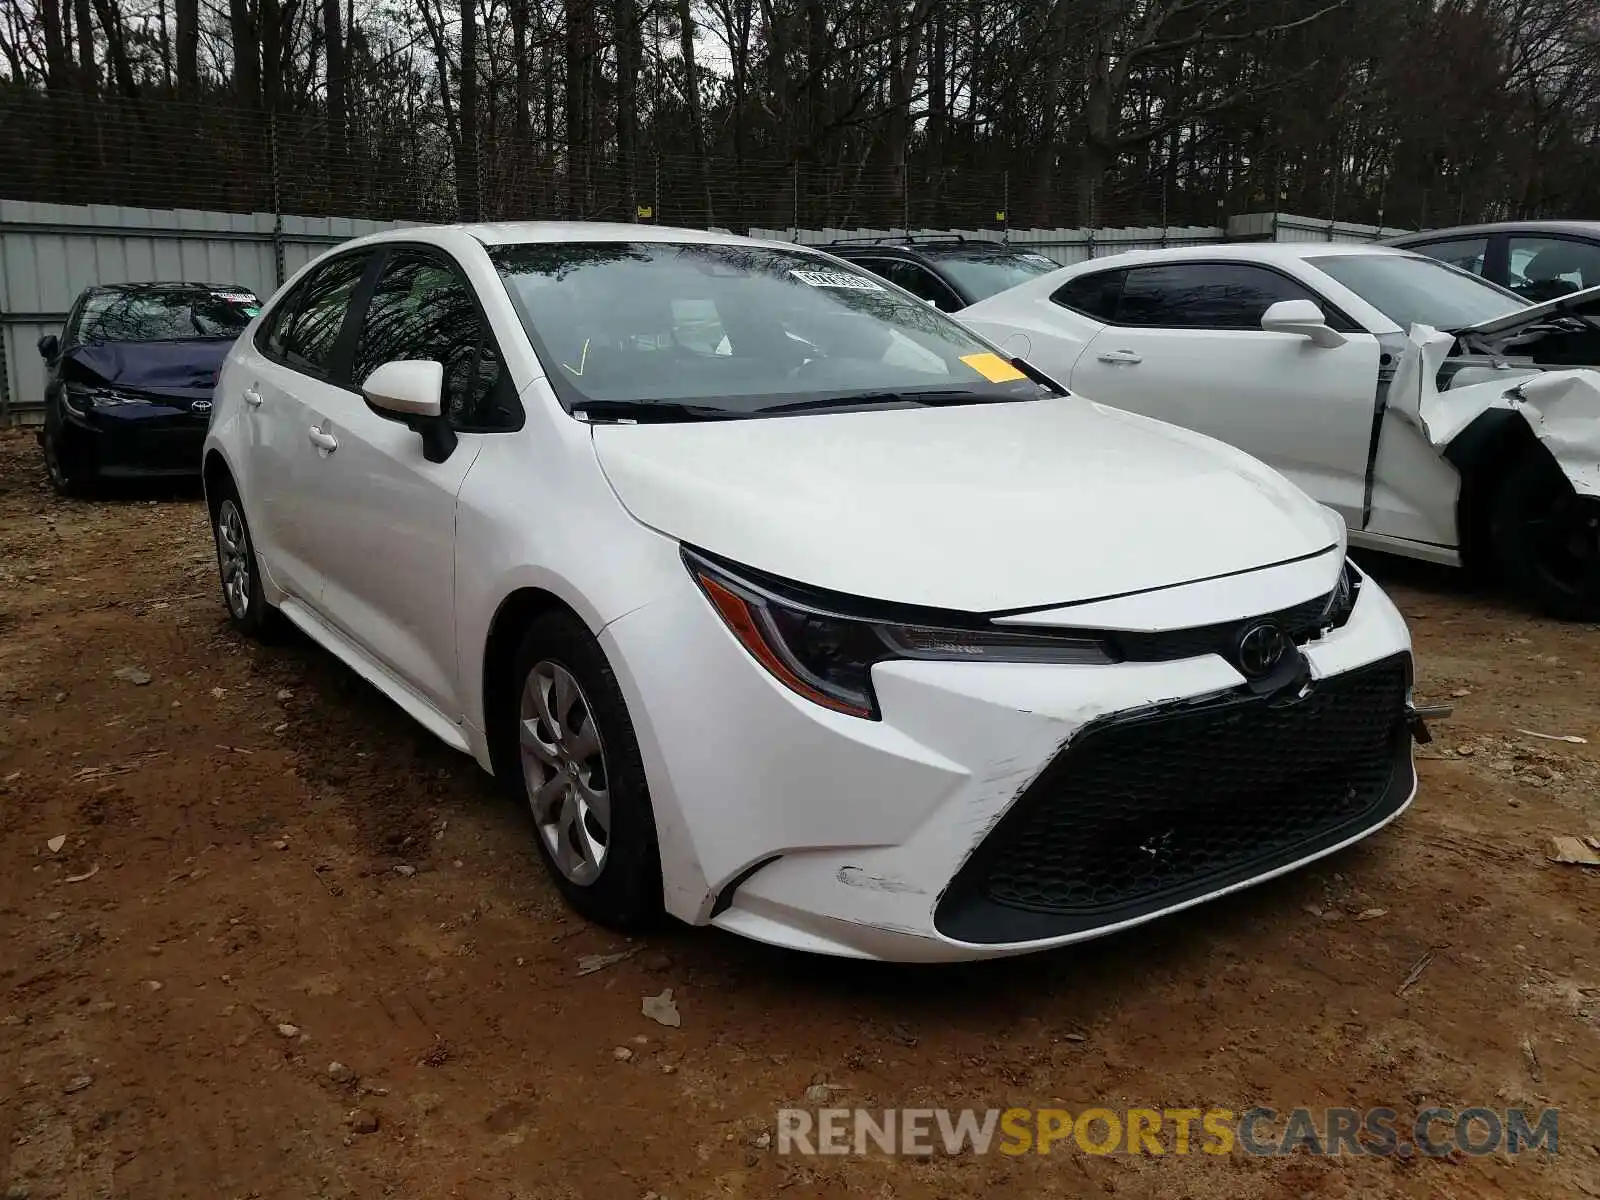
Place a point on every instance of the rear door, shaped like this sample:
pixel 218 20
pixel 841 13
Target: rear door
pixel 287 372
pixel 1186 345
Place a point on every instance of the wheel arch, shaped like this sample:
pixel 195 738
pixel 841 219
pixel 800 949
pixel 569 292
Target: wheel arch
pixel 511 617
pixel 215 472
pixel 1483 453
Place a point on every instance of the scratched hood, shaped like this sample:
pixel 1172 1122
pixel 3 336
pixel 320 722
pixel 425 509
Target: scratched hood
pixel 185 370
pixel 975 508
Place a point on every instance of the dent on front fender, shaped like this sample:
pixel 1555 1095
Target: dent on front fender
pixel 1561 408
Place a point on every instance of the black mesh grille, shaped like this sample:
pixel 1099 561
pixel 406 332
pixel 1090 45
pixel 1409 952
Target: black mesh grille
pixel 1138 813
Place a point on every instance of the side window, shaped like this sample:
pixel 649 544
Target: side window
pixel 305 327
pixel 1466 253
pixel 922 283
pixel 1543 268
pixel 1092 295
pixel 423 309
pixel 878 266
pixel 1205 296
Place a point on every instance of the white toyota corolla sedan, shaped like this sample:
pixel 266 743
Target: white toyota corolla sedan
pixel 789 605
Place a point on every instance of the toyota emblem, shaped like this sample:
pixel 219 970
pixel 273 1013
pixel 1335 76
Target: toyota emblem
pixel 200 406
pixel 1261 649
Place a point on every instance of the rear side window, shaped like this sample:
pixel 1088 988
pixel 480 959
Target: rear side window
pixel 305 328
pixel 1204 295
pixel 1093 295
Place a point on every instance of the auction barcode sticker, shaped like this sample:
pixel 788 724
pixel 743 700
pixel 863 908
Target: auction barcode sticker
pixel 836 279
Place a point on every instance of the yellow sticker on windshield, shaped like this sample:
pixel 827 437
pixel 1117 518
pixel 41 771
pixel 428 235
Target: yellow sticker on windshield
pixel 992 367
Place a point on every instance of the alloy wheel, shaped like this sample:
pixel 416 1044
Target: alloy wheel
pixel 564 772
pixel 233 557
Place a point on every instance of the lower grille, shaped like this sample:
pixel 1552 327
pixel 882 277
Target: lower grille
pixel 1142 812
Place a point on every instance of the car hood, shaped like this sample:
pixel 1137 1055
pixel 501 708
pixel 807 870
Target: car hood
pixel 1518 317
pixel 185 370
pixel 975 508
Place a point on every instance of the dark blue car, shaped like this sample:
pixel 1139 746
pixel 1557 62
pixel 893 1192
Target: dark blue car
pixel 128 393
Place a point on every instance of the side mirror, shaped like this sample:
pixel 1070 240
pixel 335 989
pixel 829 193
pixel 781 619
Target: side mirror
pixel 410 390
pixel 1303 318
pixel 49 347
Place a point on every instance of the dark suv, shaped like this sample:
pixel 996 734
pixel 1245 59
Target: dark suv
pixel 1540 260
pixel 128 390
pixel 949 271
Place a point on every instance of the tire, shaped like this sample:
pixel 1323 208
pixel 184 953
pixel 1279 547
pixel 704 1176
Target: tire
pixel 61 464
pixel 1546 538
pixel 237 568
pixel 575 747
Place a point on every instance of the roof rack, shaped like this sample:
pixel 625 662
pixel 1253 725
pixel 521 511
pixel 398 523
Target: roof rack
pixel 897 239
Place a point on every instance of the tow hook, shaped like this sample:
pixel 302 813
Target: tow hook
pixel 1417 718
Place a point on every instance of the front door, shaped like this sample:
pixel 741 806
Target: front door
pixel 385 531
pixel 1187 347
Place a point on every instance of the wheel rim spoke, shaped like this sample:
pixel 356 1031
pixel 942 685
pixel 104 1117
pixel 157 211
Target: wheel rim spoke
pixel 597 801
pixel 566 689
pixel 545 799
pixel 585 743
pixel 534 745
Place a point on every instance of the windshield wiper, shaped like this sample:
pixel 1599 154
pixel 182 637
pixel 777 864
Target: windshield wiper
pixel 643 411
pixel 925 399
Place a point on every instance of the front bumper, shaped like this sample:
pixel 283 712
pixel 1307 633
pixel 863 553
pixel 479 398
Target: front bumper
pixel 1000 808
pixel 136 441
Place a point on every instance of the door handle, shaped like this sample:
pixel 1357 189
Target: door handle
pixel 252 397
pixel 322 440
pixel 1121 356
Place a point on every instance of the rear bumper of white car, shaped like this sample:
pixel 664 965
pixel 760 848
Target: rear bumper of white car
pixel 1000 808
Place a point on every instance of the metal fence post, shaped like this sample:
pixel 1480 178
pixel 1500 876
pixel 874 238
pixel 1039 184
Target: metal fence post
pixel 5 370
pixel 277 199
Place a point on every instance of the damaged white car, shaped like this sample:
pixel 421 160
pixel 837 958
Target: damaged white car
pixel 1435 412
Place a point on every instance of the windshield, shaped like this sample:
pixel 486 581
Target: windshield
pixel 1411 290
pixel 165 315
pixel 737 330
pixel 983 275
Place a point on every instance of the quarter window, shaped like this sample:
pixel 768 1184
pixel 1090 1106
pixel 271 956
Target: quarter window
pixel 1093 295
pixel 422 309
pixel 1204 296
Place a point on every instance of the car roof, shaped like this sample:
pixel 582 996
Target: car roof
pixel 1238 252
pixel 167 286
pixel 1584 228
pixel 510 233
pixel 925 245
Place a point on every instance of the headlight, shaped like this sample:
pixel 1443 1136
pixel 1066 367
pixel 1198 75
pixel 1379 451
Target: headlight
pixel 79 398
pixel 1342 600
pixel 827 656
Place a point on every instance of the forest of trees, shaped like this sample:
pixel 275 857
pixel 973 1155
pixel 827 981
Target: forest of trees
pixel 779 112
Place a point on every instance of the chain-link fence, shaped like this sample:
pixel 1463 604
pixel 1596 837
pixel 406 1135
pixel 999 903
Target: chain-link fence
pixel 217 156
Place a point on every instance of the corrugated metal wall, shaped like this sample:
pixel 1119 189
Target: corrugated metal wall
pixel 50 252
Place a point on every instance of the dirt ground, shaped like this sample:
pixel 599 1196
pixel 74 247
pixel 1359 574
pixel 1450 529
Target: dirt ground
pixel 286 873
